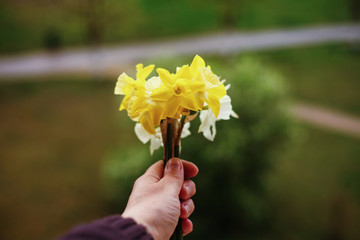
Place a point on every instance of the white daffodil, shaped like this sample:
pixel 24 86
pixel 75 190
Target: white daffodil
pixel 144 137
pixel 156 139
pixel 208 119
pixel 186 130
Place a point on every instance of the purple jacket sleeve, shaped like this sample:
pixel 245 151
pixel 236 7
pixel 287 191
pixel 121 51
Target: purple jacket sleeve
pixel 110 228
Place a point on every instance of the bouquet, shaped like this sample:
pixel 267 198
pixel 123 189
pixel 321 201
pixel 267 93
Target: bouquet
pixel 163 106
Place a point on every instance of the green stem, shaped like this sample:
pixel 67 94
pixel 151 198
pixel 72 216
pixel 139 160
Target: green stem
pixel 168 147
pixel 172 148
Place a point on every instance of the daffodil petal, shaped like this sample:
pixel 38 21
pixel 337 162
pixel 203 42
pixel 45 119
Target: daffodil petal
pixel 153 84
pixel 145 72
pixel 207 126
pixel 189 102
pixel 225 108
pixel 197 86
pixel 155 143
pixel 184 72
pixel 161 94
pixel 217 92
pixel 146 122
pixel 165 77
pixel 234 115
pixel 214 104
pixel 138 106
pixel 139 66
pixel 197 63
pixel 141 133
pixel 172 106
pixel 125 102
pixel 186 130
pixel 156 112
pixel 120 84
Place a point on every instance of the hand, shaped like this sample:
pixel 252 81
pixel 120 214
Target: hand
pixel 160 197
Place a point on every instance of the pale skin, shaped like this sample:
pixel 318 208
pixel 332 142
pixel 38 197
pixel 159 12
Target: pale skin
pixel 161 196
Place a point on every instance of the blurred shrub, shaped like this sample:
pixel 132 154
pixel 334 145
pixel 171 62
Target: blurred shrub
pixel 24 23
pixel 231 195
pixel 52 39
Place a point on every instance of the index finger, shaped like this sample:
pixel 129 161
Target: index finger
pixel 190 169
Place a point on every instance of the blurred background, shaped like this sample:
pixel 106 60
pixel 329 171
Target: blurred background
pixel 288 168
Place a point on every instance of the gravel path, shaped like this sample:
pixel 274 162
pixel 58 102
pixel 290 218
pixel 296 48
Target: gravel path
pixel 100 60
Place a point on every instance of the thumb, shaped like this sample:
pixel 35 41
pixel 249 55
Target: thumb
pixel 174 176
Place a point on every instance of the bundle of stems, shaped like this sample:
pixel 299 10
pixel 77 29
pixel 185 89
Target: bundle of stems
pixel 171 130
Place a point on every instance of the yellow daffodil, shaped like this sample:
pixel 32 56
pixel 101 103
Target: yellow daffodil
pixel 208 118
pixel 172 95
pixel 147 111
pixel 126 85
pixel 178 91
pixel 214 89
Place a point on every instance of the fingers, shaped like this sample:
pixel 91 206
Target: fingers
pixel 187 208
pixel 190 169
pixel 173 176
pixel 155 172
pixel 188 190
pixel 186 226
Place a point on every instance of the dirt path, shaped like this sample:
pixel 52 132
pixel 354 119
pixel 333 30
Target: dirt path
pixel 98 61
pixel 328 119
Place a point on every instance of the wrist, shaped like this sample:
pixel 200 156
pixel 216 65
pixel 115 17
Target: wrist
pixel 140 219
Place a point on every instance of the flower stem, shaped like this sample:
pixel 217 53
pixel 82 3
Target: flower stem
pixel 169 142
pixel 171 149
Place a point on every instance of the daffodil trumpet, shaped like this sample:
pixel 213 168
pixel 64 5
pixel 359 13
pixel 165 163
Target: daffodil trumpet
pixel 163 106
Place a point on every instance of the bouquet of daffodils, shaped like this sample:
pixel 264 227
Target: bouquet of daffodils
pixel 164 105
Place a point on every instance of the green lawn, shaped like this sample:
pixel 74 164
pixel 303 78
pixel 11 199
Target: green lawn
pixel 71 23
pixel 54 135
pixel 57 134
pixel 328 76
pixel 314 189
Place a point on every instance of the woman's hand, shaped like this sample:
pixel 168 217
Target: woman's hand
pixel 161 196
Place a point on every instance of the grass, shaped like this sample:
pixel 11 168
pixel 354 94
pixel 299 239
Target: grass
pixel 314 188
pixel 67 23
pixel 55 134
pixel 51 152
pixel 287 13
pixel 53 138
pixel 323 75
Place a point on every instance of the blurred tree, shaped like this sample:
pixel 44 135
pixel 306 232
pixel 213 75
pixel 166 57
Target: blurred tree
pixel 124 20
pixel 355 9
pixel 231 8
pixel 228 10
pixel 52 39
pixel 92 13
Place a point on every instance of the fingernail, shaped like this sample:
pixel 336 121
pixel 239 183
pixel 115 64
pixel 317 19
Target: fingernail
pixel 187 208
pixel 187 187
pixel 174 164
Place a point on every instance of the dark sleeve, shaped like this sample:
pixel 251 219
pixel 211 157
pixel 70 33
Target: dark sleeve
pixel 110 228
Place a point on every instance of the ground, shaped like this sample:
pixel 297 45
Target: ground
pixel 57 133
